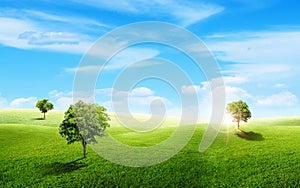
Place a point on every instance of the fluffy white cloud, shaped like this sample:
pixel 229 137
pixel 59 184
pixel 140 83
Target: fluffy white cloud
pixel 220 85
pixel 234 79
pixel 236 93
pixel 191 89
pixel 54 94
pixel 23 102
pixel 231 93
pixel 63 103
pixel 280 99
pixel 140 92
pixel 61 100
pixel 139 99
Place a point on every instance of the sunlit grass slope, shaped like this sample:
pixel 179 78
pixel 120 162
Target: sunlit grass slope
pixel 30 117
pixel 33 154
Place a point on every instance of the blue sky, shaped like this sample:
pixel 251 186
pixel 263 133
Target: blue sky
pixel 255 42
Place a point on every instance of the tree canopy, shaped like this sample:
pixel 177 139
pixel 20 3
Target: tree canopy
pixel 239 111
pixel 44 106
pixel 83 122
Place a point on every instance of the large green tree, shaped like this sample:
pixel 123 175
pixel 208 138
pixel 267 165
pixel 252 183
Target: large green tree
pixel 44 106
pixel 82 122
pixel 239 110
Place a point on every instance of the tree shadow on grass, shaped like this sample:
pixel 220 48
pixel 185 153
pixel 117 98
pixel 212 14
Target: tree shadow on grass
pixel 250 136
pixel 37 118
pixel 58 168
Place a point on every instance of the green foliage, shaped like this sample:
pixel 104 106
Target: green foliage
pixel 44 105
pixel 239 111
pixel 83 122
pixel 68 128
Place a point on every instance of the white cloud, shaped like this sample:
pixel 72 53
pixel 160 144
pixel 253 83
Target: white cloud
pixel 63 103
pixel 26 34
pixel 42 15
pixel 280 99
pixel 234 79
pixel 231 93
pixel 236 93
pixel 191 89
pixel 10 30
pixel 54 94
pixel 222 81
pixel 279 86
pixel 185 13
pixel 141 91
pixel 137 104
pixel 88 68
pixel 258 53
pixel 139 99
pixel 251 47
pixel 62 100
pixel 23 102
pixel 50 38
pixel 67 19
pixel 259 69
pixel 205 100
pixel 191 13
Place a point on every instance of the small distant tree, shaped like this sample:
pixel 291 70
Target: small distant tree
pixel 239 111
pixel 44 106
pixel 82 122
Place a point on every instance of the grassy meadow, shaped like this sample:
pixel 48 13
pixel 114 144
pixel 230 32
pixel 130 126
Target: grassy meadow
pixel 33 154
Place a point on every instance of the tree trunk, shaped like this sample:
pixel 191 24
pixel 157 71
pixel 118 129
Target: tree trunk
pixel 84 148
pixel 44 115
pixel 238 125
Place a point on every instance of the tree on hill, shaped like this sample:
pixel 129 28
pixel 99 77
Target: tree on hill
pixel 239 110
pixel 82 122
pixel 44 106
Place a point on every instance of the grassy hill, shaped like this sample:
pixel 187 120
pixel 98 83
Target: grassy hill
pixel 33 154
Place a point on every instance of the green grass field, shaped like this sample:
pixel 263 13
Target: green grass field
pixel 33 154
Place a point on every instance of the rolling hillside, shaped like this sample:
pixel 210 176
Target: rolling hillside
pixel 33 154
